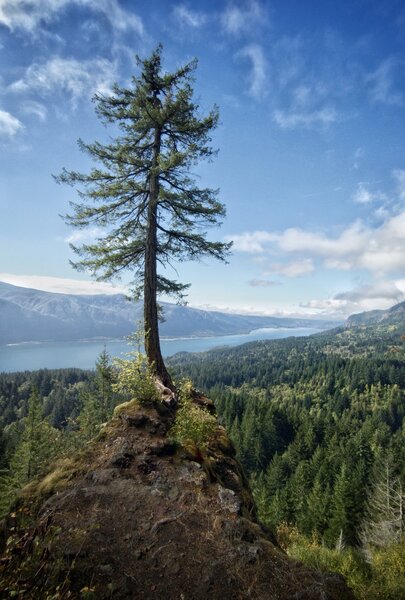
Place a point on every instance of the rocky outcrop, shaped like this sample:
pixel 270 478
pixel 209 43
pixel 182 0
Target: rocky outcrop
pixel 136 516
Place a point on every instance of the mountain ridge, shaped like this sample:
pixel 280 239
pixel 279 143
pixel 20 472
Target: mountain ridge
pixel 33 315
pixel 373 317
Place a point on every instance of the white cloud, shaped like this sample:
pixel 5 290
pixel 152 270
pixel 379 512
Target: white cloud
pixel 253 243
pixel 387 291
pixel 364 196
pixel 379 250
pixel 295 268
pixel 61 285
pixel 350 241
pixel 328 306
pixel 84 235
pixel 190 18
pixel 240 17
pixel 377 295
pixel 289 119
pixel 9 125
pixel 257 78
pixel 68 76
pixel 28 15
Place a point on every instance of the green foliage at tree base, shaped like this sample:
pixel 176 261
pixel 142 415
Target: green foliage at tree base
pixel 192 424
pixel 135 380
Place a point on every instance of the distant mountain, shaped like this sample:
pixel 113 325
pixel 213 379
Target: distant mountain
pixel 33 315
pixel 392 316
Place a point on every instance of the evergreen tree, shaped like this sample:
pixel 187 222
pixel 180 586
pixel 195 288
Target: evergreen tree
pixel 104 381
pixel 318 508
pixel 143 193
pixel 98 399
pixel 38 444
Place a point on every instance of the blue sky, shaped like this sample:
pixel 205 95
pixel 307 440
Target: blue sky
pixel 312 148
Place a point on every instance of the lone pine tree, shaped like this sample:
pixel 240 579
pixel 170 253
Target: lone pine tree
pixel 144 194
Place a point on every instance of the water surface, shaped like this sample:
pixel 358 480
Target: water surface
pixel 83 354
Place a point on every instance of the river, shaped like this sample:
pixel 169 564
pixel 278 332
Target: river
pixel 83 354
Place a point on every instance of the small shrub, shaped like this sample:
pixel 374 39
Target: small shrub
pixel 287 535
pixel 382 577
pixel 134 379
pixel 192 424
pixel 388 566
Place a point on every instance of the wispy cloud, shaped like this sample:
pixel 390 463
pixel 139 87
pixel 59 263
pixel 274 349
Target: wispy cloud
pixel 70 76
pixel 307 102
pixel 399 175
pixel 290 119
pixel 363 194
pixel 35 108
pixel 9 125
pixel 120 19
pixel 382 83
pixel 296 268
pixel 61 285
pixel 289 54
pixel 358 154
pixel 257 78
pixel 240 17
pixel 188 17
pixel 332 307
pixel 29 15
pixel 313 81
pixel 263 283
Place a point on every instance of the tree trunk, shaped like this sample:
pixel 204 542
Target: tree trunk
pixel 151 322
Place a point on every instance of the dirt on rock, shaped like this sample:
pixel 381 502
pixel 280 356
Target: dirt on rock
pixel 137 517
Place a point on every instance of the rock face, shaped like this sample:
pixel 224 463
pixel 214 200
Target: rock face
pixel 135 516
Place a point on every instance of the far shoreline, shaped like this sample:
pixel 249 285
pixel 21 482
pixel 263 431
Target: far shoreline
pixel 162 337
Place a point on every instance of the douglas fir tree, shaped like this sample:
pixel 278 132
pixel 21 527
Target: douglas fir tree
pixel 143 193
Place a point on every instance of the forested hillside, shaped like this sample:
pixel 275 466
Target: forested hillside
pixel 318 424
pixel 61 391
